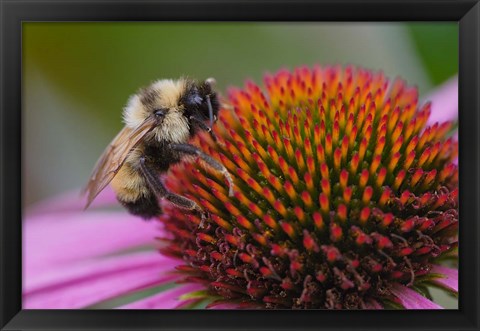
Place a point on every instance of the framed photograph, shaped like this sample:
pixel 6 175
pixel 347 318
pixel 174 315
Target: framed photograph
pixel 243 165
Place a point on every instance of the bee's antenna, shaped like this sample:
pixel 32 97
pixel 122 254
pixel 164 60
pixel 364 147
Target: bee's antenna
pixel 210 81
pixel 210 110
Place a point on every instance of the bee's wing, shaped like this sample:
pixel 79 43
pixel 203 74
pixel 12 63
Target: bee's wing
pixel 114 156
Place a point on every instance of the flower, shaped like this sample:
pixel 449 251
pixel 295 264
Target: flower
pixel 345 197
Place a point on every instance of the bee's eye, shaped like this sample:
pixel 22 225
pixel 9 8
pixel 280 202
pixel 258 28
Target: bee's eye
pixel 197 100
pixel 193 98
pixel 159 113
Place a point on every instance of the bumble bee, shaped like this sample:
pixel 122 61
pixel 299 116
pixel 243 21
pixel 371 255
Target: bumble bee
pixel 159 121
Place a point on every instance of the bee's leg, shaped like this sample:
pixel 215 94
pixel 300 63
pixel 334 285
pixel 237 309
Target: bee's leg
pixel 192 150
pixel 161 191
pixel 198 122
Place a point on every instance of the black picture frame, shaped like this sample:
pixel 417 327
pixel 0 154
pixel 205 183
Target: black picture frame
pixel 14 12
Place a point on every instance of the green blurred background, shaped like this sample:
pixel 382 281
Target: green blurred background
pixel 78 76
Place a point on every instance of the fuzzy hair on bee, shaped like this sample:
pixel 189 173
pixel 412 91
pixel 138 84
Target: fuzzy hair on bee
pixel 159 122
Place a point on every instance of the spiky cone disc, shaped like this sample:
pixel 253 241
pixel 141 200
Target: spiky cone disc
pixel 340 192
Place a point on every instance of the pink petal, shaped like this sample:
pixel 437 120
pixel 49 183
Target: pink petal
pixel 61 238
pixel 450 279
pixel 72 201
pixel 373 304
pixel 226 304
pixel 169 299
pixel 223 305
pixel 89 282
pixel 410 299
pixel 85 269
pixel 455 136
pixel 444 102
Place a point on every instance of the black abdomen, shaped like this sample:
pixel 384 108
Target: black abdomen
pixel 145 207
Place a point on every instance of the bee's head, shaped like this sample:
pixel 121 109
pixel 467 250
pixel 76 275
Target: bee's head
pixel 159 100
pixel 201 101
pixel 172 103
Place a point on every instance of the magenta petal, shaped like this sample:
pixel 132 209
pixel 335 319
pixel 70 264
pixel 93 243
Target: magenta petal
pixel 223 305
pixel 66 273
pixel 71 201
pixel 444 102
pixel 373 304
pixel 55 239
pixel 79 285
pixel 169 299
pixel 455 136
pixel 450 279
pixel 411 299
